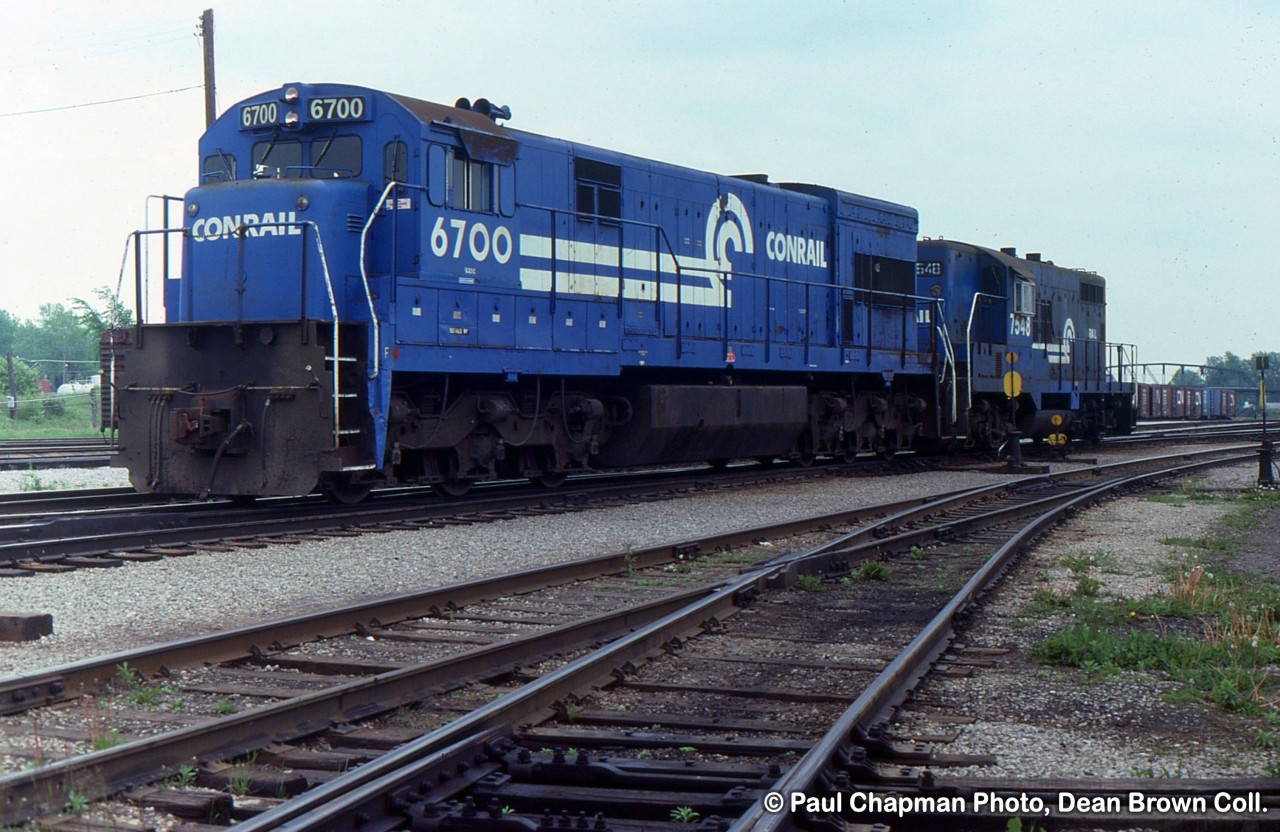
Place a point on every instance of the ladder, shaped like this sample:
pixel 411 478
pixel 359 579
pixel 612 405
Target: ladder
pixel 348 414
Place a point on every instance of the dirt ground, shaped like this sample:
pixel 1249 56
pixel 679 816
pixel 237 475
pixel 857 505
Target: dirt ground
pixel 1259 547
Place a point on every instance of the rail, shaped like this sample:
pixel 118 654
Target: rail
pixel 892 684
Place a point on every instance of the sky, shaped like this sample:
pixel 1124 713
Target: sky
pixel 1134 139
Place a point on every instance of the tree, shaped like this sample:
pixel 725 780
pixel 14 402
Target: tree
pixel 1187 378
pixel 114 314
pixel 58 343
pixel 8 332
pixel 24 377
pixel 1229 370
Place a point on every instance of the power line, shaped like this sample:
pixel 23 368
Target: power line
pixel 96 103
pixel 64 51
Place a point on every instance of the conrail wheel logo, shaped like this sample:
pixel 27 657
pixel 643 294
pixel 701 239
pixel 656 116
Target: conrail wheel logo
pixel 727 222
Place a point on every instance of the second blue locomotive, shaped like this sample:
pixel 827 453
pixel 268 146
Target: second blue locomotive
pixel 1026 329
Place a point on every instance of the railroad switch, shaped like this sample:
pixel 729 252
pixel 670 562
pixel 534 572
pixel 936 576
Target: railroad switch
pixel 1266 465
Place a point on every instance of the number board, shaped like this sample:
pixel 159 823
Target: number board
pixel 336 108
pixel 328 109
pixel 265 114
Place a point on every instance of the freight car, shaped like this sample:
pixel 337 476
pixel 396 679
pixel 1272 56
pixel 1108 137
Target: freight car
pixel 380 289
pixel 1175 401
pixel 1027 328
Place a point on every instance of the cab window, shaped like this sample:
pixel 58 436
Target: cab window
pixel 471 183
pixel 277 160
pixel 395 162
pixel 336 157
pixel 220 167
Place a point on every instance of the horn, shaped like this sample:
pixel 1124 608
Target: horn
pixel 463 104
pixel 494 111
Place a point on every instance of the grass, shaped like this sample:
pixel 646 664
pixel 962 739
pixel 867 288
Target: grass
pixel 33 481
pixel 810 583
pixel 77 804
pixel 185 778
pixel 684 814
pixel 870 570
pixel 240 777
pixel 1212 630
pixel 39 423
pixel 107 739
pixel 143 694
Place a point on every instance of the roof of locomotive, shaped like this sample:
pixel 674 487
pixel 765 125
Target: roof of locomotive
pixel 487 139
pixel 1021 265
pixel 453 115
pixel 469 120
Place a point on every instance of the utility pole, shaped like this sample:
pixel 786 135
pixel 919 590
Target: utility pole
pixel 210 88
pixel 13 389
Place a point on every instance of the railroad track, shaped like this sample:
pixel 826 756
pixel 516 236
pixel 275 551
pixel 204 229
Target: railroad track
pixel 665 750
pixel 25 454
pixel 1202 431
pixel 62 531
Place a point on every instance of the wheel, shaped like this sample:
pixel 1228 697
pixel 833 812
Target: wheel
pixel 550 480
pixel 453 488
pixel 345 491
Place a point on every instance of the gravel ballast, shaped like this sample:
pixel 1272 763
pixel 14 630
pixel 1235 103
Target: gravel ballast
pixel 97 611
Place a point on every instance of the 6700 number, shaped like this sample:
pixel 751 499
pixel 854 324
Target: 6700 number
pixel 341 108
pixel 478 240
pixel 258 115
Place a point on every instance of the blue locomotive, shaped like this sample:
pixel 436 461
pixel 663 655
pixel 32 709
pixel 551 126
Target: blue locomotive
pixel 1028 330
pixel 377 289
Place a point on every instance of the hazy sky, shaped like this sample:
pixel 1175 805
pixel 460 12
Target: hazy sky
pixel 1135 139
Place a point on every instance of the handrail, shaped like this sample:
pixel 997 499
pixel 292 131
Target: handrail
pixel 239 231
pixel 364 271
pixel 949 353
pixel 968 346
pixel 664 250
pixel 333 308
